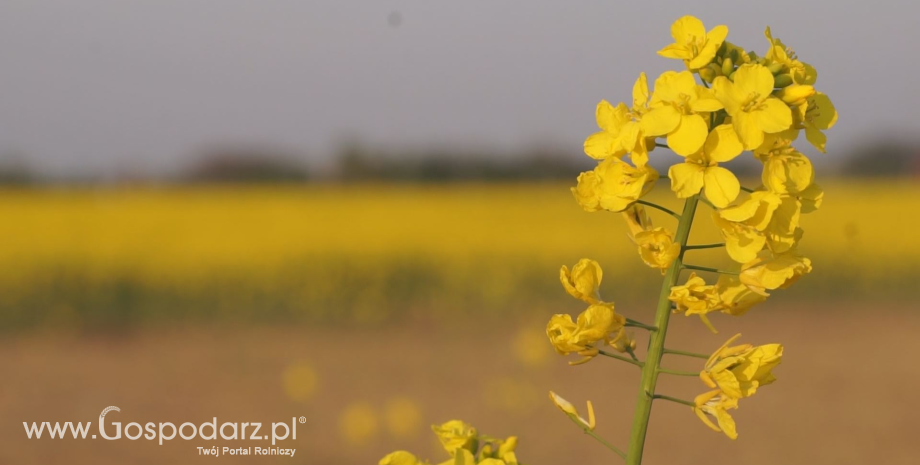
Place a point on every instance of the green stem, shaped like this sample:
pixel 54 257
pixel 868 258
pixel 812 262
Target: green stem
pixel 677 372
pixel 685 353
pixel 656 340
pixel 706 268
pixel 664 146
pixel 620 358
pixel 675 399
pixel 747 189
pixel 637 324
pixel 705 246
pixel 599 439
pixel 659 207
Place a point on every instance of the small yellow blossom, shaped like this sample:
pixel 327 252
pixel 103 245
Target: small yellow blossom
pixel 695 298
pixel 736 298
pixel 594 325
pixel 738 371
pixel 802 73
pixel 692 43
pixel 715 404
pixel 657 248
pixel 613 185
pixel 774 271
pixel 749 101
pixel 675 111
pixel 743 225
pixel 583 281
pixel 620 129
pixel 456 435
pixel 701 170
pixel 570 410
pixel 817 114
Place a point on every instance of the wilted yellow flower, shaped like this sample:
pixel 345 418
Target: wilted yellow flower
pixel 692 43
pixel 583 281
pixel 456 435
pixel 675 108
pixel 613 185
pixel 738 371
pixel 624 341
pixel 701 170
pixel 771 271
pixel 715 404
pixel 594 325
pixel 695 298
pixel 657 248
pixel 400 457
pixel 736 298
pixel 570 410
pixel 749 102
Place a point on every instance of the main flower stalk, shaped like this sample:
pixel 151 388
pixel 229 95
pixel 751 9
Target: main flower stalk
pixel 650 370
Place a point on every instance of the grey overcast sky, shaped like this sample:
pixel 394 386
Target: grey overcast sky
pixel 103 86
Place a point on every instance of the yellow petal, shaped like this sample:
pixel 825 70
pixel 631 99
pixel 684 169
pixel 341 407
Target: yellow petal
pixel 686 179
pixel 753 79
pixel 723 144
pixel 725 91
pixel 687 29
pixel 748 130
pixel 676 51
pixel 601 145
pixel 660 121
pixel 689 135
pixel 721 186
pixel 714 40
pixel 826 114
pixel 773 115
pixel 787 173
pixel 640 91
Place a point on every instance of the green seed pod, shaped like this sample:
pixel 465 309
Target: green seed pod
pixel 731 77
pixel 783 80
pixel 727 66
pixel 776 68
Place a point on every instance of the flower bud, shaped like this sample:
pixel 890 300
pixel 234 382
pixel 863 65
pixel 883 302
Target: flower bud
pixel 782 80
pixel 727 66
pixel 775 68
pixel 707 74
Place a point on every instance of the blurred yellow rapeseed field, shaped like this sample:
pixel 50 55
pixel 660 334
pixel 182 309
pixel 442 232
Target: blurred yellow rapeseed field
pixel 323 251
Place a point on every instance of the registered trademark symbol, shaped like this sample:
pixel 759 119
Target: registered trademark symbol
pixel 303 420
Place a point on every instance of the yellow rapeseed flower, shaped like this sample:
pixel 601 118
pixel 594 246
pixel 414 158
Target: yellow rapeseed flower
pixel 596 324
pixel 701 170
pixel 739 370
pixel 692 43
pixel 620 129
pixel 657 248
pixel 675 111
pixel 715 404
pixel 456 435
pixel 583 281
pixel 815 115
pixel 735 298
pixel 695 298
pixel 750 103
pixel 613 185
pixel 771 271
pixel 801 73
pixel 743 225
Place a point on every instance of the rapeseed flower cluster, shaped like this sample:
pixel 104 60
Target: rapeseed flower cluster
pixel 726 102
